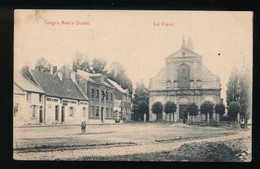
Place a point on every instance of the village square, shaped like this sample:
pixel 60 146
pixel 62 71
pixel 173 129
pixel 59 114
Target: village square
pixel 100 109
pixel 73 114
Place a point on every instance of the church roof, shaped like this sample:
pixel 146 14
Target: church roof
pixel 184 52
pixel 206 74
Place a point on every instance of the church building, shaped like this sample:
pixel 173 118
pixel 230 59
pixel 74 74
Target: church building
pixel 184 79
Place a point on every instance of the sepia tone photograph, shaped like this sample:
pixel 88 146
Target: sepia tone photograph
pixel 132 85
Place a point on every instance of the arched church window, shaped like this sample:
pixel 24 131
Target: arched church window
pixel 184 76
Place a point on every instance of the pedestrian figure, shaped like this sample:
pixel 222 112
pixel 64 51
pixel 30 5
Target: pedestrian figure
pixel 83 127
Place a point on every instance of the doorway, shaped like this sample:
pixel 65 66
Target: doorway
pixel 182 111
pixel 102 112
pixel 40 115
pixel 62 114
pixel 57 113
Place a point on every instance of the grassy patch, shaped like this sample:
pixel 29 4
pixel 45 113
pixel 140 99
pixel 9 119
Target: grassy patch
pixel 198 152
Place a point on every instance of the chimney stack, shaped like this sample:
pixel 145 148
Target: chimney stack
pixel 54 69
pixel 74 68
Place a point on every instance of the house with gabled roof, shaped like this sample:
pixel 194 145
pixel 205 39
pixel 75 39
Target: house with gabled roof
pixel 99 92
pixel 122 101
pixel 64 102
pixel 28 101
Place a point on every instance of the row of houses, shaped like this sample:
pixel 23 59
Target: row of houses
pixel 67 96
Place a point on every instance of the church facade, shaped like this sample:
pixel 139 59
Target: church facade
pixel 184 79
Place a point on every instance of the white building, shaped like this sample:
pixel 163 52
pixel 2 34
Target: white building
pixel 28 101
pixel 62 101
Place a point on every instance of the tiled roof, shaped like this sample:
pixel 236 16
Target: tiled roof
pixel 25 83
pixel 17 90
pixel 85 75
pixel 117 86
pixel 53 86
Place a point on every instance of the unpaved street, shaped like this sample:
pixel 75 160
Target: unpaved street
pixel 65 142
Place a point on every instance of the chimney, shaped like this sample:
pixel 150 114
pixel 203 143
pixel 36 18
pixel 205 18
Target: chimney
pixel 59 75
pixel 54 69
pixel 74 68
pixel 73 77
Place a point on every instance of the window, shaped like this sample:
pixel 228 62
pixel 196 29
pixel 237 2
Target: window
pixel 33 109
pixel 15 109
pixel 97 94
pixel 111 97
pixel 92 93
pixel 107 113
pixel 29 96
pixel 103 95
pixel 40 97
pixel 92 113
pixel 111 112
pixel 97 111
pixel 84 113
pixel 71 112
pixel 106 95
pixel 184 76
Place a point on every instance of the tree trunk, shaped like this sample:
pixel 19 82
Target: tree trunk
pixel 217 117
pixel 246 121
pixel 208 117
pixel 172 117
pixel 188 118
pixel 238 119
pixel 145 117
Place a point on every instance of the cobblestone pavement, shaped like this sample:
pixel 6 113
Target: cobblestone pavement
pixel 144 145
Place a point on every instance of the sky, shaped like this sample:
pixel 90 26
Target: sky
pixel 139 40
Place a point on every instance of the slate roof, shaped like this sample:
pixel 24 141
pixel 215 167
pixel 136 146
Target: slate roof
pixel 117 86
pixel 85 75
pixel 25 83
pixel 95 78
pixel 53 86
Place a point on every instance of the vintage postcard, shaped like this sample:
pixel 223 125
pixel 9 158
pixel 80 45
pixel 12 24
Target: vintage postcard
pixel 129 85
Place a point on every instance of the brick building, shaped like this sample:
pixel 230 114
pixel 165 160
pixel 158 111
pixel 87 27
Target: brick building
pixel 99 92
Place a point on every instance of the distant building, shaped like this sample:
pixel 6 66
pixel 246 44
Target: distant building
pixel 122 102
pixel 184 79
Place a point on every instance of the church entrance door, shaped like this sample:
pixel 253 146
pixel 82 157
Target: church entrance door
pixel 182 111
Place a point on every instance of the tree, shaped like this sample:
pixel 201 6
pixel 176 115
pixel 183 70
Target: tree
pixel 81 62
pixel 192 109
pixel 99 65
pixel 43 66
pixel 232 93
pixel 141 101
pixel 220 109
pixel 207 109
pixel 238 90
pixel 157 108
pixel 118 74
pixel 170 108
pixel 233 110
